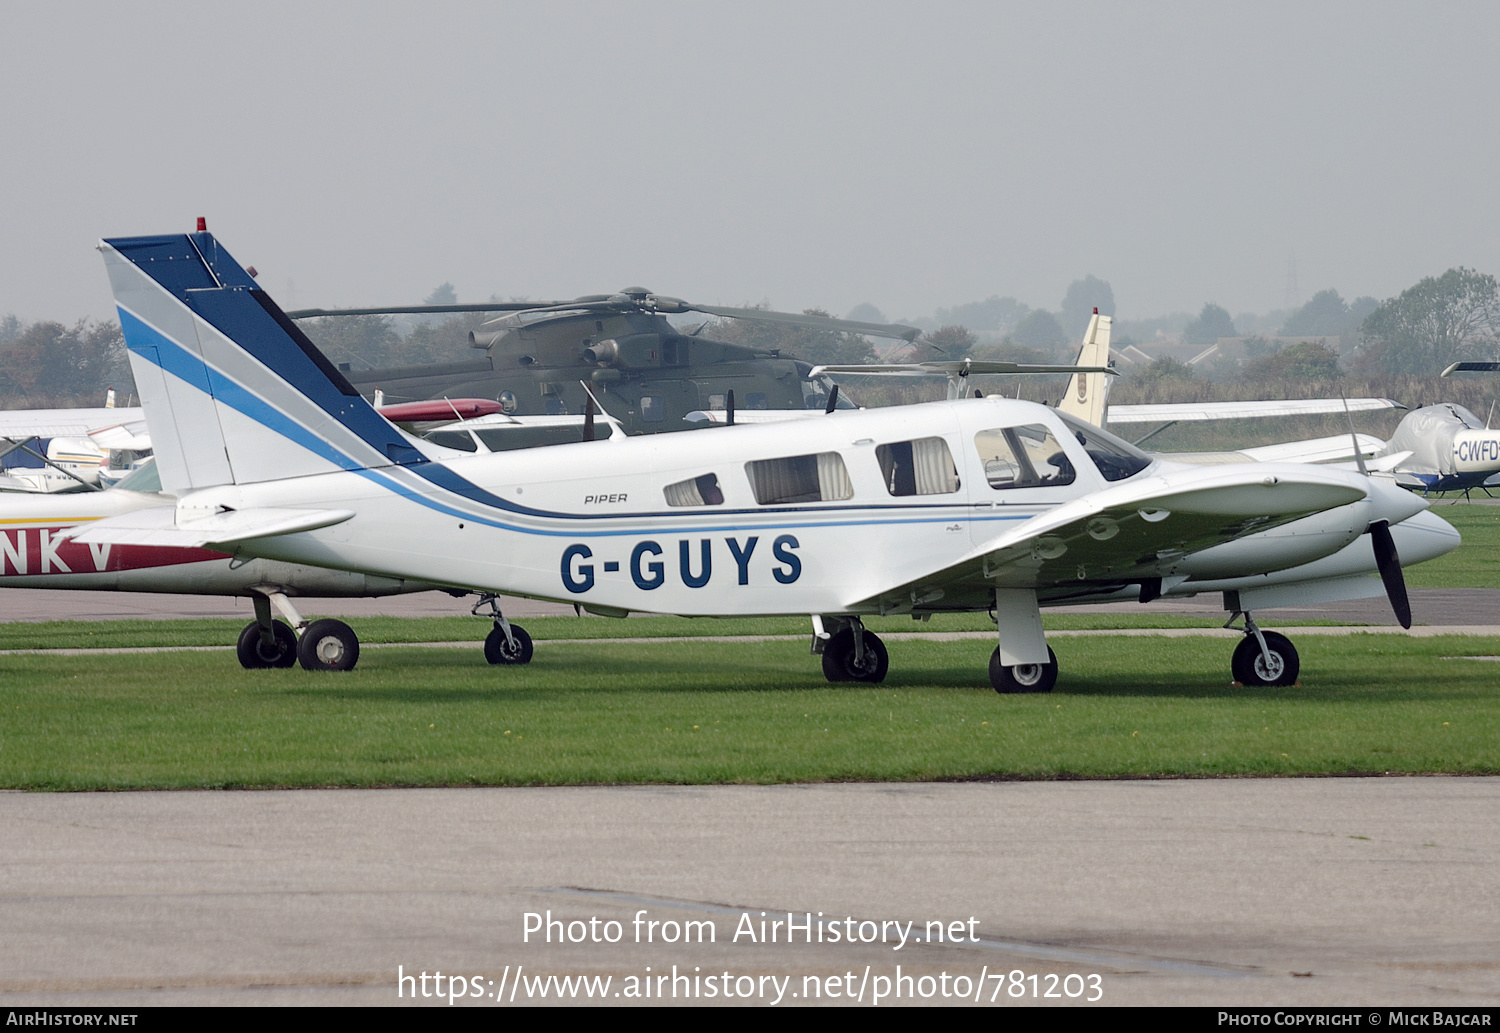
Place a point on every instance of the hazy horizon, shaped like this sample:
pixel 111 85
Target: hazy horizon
pixel 911 156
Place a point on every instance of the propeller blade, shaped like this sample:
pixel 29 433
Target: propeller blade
pixel 588 419
pixel 729 408
pixel 1390 571
pixel 833 400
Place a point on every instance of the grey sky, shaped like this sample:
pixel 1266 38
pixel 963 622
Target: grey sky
pixel 913 155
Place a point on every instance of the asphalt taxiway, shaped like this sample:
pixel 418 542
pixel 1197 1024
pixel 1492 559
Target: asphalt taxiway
pixel 1209 892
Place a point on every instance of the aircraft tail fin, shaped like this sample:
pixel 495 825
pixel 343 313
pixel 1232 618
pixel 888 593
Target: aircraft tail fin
pixel 233 392
pixel 1087 393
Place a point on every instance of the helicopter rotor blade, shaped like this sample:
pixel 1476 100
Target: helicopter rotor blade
pixel 419 310
pixel 760 315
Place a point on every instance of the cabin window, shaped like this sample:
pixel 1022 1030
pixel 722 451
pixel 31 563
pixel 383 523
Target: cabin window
pixel 1116 458
pixel 1023 457
pixel 756 400
pixel 921 467
pixel 652 411
pixel 459 439
pixel 716 401
pixel 815 478
pixel 699 491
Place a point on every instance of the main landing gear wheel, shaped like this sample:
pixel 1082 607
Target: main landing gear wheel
pixel 328 645
pixel 839 663
pixel 1249 663
pixel 1023 677
pixel 498 651
pixel 254 654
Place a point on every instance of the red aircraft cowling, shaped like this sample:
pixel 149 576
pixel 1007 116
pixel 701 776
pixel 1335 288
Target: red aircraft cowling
pixel 439 409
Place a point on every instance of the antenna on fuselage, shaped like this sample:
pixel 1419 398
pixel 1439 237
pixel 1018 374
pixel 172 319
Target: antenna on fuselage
pixel 615 430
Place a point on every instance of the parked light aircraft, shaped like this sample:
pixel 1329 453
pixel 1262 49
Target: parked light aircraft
pixel 974 504
pixel 35 553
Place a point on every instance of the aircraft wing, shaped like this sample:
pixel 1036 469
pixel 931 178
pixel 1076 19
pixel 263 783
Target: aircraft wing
pixel 1185 411
pixel 1137 530
pixel 1313 450
pixel 133 435
pixel 958 367
pixel 166 526
pixel 63 423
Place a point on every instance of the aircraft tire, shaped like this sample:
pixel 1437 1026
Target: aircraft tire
pixel 253 653
pixel 838 658
pixel 498 651
pixel 328 645
pixel 1249 666
pixel 1023 677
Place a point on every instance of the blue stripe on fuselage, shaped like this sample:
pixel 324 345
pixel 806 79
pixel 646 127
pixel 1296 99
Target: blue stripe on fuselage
pixel 178 264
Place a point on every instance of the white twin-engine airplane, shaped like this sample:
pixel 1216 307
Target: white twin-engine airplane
pixel 964 505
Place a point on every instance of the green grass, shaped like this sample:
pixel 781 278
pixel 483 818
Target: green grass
pixel 741 712
pixel 1475 563
pixel 217 632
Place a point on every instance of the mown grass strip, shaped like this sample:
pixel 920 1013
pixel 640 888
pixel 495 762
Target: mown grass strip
pixel 217 632
pixel 593 713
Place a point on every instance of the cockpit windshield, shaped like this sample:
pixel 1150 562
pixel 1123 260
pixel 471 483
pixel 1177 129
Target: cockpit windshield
pixel 1115 457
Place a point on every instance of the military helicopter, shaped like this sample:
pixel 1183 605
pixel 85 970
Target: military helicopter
pixel 646 373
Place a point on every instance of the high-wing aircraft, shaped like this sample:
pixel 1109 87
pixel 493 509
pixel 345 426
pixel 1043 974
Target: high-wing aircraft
pixel 66 449
pixel 973 504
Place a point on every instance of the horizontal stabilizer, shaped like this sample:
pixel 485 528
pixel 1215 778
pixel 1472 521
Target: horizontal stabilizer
pixel 1471 367
pixel 165 526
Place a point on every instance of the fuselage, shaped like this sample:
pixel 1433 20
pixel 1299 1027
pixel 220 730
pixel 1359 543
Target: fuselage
pixel 827 515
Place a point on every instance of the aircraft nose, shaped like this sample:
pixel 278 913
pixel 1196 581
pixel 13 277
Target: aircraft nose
pixel 1392 503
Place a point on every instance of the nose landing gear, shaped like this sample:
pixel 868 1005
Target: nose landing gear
pixel 506 643
pixel 1263 657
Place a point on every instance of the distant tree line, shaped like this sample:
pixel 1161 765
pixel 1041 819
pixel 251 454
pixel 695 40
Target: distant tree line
pixel 47 364
pixel 1439 320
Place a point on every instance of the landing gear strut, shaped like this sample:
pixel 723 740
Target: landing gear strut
pixel 1263 657
pixel 1018 623
pixel 850 653
pixel 266 642
pixel 506 643
pixel 325 645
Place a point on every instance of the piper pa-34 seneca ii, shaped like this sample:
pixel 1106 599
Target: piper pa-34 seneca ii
pixel 964 505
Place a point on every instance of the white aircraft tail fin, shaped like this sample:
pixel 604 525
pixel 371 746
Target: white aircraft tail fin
pixel 1088 392
pixel 232 390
